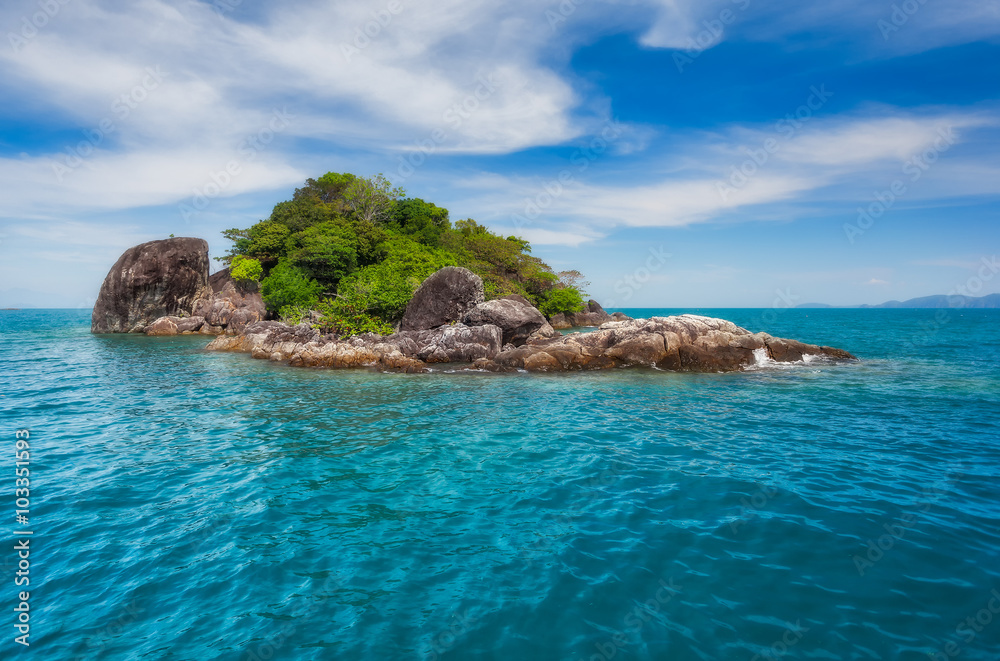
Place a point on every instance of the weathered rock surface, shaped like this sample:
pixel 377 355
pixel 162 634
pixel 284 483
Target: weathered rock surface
pixel 516 297
pixel 560 321
pixel 443 298
pixel 594 315
pixel 175 325
pixel 149 281
pixel 687 343
pixel 303 345
pixel 228 304
pixel 517 320
pixel 163 288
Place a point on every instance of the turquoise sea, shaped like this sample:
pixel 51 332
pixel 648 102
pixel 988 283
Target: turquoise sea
pixel 197 505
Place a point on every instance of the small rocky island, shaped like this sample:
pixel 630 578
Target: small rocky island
pixel 164 288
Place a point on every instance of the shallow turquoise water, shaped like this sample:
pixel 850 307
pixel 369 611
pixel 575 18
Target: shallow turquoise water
pixel 196 505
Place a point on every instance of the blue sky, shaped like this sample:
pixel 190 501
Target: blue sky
pixel 681 153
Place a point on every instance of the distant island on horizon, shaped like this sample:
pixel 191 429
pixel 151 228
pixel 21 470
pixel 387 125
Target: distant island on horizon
pixel 990 301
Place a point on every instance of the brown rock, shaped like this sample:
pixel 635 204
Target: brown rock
pixel 517 320
pixel 149 281
pixel 163 326
pixel 444 297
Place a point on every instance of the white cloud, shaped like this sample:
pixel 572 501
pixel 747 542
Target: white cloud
pixel 462 74
pixel 879 28
pixel 836 158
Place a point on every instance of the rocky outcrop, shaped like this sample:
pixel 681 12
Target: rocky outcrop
pixel 175 325
pixel 443 298
pixel 151 280
pixel 163 288
pixel 409 351
pixel 593 316
pixel 560 321
pixel 685 343
pixel 229 304
pixel 517 320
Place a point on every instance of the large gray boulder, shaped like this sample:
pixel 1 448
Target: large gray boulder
pixel 443 298
pixel 517 320
pixel 149 281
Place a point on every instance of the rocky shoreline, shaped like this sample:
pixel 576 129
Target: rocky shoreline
pixel 163 288
pixel 686 343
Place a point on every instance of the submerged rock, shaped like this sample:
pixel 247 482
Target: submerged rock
pixel 149 281
pixel 686 343
pixel 444 297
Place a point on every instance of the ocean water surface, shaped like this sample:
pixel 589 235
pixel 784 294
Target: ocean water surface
pixel 197 505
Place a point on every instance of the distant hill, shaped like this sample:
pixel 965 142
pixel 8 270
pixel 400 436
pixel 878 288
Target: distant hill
pixel 991 301
pixel 942 301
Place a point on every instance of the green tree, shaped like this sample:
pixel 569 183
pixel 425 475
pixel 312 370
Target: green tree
pixel 245 269
pixel 329 189
pixel 372 199
pixel 384 289
pixel 288 285
pixel 573 279
pixel 422 220
pixel 266 241
pixel 302 213
pixel 326 252
pixel 561 299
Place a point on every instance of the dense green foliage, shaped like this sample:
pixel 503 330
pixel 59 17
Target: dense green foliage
pixel 289 286
pixel 353 250
pixel 245 269
pixel 562 299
